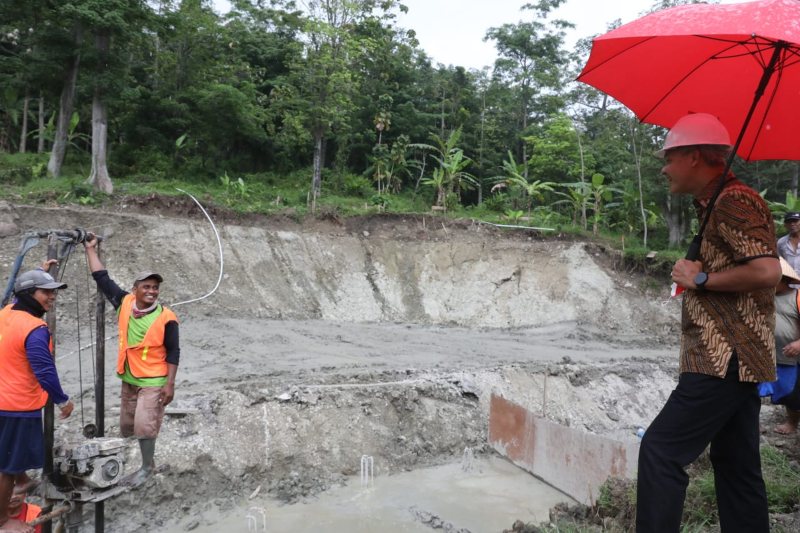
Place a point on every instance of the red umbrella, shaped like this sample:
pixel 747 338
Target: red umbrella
pixel 717 59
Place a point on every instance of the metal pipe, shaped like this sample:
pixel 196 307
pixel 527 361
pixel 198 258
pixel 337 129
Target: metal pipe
pixel 45 519
pixel 99 389
pixel 49 410
pixel 78 235
pixel 75 519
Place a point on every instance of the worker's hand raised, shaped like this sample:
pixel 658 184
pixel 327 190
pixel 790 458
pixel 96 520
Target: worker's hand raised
pixel 90 242
pixel 66 410
pixel 47 263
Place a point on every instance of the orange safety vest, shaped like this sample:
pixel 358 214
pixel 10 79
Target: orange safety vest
pixel 32 512
pixel 28 513
pixel 19 388
pixel 148 359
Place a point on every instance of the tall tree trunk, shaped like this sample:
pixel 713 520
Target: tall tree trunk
pixel 674 218
pixel 637 159
pixel 441 126
pixel 596 221
pixel 23 137
pixel 66 105
pixel 795 178
pixel 421 173
pixel 480 147
pixel 99 178
pixel 40 132
pixel 524 127
pixel 583 180
pixel 316 180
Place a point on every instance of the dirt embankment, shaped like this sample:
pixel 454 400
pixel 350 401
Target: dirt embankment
pixel 384 336
pixel 421 270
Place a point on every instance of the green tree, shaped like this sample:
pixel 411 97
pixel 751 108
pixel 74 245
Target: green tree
pixel 113 24
pixel 322 82
pixel 556 153
pixel 390 165
pixel 531 54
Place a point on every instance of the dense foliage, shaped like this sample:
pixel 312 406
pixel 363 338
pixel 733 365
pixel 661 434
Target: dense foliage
pixel 338 98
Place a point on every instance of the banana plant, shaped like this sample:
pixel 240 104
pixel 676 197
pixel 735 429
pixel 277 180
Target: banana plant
pixel 577 197
pixel 513 177
pixel 792 203
pixel 452 175
pixel 600 193
pixel 439 181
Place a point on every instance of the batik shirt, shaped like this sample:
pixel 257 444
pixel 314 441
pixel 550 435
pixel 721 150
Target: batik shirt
pixel 715 324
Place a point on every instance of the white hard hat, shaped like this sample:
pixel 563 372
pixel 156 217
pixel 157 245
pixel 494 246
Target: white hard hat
pixel 694 129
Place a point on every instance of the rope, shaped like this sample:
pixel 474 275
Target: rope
pixel 219 245
pixel 66 253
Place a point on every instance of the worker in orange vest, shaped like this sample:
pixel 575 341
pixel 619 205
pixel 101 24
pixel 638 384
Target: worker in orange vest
pixel 27 380
pixel 149 352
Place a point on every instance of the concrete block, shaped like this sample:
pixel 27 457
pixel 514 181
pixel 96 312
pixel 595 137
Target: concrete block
pixel 573 461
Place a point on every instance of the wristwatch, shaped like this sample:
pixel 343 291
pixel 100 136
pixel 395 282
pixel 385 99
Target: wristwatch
pixel 700 280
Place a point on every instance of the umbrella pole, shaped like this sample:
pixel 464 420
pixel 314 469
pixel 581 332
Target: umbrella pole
pixel 694 248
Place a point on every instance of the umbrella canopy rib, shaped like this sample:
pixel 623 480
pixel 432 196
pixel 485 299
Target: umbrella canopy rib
pixel 677 84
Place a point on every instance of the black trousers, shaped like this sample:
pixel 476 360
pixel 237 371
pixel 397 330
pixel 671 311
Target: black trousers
pixel 704 410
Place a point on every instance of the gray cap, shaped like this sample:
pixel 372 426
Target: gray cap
pixel 36 279
pixel 141 276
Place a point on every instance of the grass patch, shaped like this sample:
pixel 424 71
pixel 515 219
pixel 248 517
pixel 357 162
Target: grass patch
pixel 24 180
pixel 617 498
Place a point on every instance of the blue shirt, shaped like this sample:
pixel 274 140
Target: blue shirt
pixel 37 348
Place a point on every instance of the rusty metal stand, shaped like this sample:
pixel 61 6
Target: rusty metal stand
pixel 99 390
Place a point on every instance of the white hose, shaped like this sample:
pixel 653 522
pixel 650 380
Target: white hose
pixel 219 245
pixel 219 279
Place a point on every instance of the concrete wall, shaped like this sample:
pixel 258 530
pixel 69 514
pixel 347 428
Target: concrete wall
pixel 573 461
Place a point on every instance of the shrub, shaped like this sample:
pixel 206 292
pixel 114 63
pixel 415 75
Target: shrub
pixel 16 175
pixel 496 202
pixel 357 185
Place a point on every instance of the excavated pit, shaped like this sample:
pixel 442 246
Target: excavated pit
pixel 381 336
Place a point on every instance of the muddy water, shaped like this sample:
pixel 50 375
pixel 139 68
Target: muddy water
pixel 485 496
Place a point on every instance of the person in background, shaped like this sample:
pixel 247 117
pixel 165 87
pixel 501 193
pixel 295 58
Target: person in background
pixel 789 244
pixel 21 510
pixel 786 389
pixel 149 352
